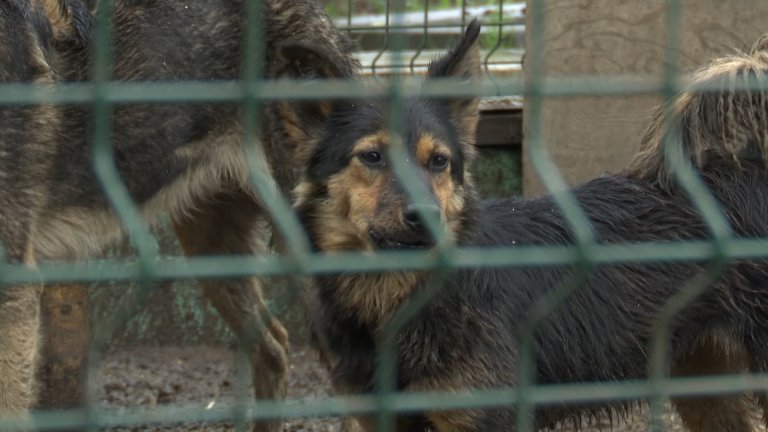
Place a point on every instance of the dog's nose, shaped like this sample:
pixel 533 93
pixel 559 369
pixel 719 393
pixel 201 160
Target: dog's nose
pixel 412 214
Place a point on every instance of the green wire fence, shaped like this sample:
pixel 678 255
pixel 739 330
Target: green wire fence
pixel 388 53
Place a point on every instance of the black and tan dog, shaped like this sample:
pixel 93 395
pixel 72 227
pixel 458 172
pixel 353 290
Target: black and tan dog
pixel 185 159
pixel 466 337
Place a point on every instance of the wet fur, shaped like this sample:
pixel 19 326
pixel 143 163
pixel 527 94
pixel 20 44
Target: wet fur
pixel 183 159
pixel 466 336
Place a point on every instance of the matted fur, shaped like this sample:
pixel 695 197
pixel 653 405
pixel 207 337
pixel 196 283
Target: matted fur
pixel 466 337
pixel 712 123
pixel 187 160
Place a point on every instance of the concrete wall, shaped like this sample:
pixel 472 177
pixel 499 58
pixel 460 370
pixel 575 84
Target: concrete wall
pixel 589 135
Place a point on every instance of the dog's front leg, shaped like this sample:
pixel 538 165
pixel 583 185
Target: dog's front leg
pixel 19 327
pixel 19 337
pixel 231 223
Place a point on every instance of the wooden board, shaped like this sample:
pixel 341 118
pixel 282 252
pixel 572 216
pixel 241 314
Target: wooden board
pixel 589 135
pixel 500 128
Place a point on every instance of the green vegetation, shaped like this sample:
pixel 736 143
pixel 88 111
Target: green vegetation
pixel 497 172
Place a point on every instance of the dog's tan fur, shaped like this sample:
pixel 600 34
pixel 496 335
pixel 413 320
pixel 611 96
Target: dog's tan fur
pixel 715 355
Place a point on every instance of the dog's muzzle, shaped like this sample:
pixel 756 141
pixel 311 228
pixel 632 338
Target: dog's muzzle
pixel 415 235
pixel 406 239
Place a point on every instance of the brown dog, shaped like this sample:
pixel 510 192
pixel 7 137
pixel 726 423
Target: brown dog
pixel 185 159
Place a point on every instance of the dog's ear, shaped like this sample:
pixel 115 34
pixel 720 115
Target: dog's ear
pixel 462 62
pixel 303 121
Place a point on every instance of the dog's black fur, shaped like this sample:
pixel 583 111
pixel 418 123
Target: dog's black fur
pixel 467 336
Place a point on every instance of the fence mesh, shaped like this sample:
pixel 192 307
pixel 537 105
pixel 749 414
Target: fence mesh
pixel 403 42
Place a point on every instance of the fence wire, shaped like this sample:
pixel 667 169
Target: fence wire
pixel 390 58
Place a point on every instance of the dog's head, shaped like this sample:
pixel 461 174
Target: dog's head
pixel 351 197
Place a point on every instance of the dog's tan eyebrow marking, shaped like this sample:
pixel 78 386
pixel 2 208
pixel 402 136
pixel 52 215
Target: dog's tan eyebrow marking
pixel 427 146
pixel 370 142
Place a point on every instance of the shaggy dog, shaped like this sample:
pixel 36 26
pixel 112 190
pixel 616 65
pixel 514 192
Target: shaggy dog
pixel 184 159
pixel 466 336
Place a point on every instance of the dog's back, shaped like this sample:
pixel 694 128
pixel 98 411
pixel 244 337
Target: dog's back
pixel 169 155
pixel 604 331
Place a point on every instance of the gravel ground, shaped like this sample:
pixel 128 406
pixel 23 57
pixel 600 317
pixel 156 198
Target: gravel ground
pixel 205 376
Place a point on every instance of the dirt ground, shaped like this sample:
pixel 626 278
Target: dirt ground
pixel 205 376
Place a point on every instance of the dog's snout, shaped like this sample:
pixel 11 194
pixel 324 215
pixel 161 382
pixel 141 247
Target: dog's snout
pixel 412 214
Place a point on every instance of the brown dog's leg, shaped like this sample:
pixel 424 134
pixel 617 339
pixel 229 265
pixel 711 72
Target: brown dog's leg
pixel 714 413
pixel 19 332
pixel 232 224
pixel 65 351
pixel 19 335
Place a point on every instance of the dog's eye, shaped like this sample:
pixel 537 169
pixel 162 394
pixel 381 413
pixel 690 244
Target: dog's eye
pixel 371 158
pixel 438 163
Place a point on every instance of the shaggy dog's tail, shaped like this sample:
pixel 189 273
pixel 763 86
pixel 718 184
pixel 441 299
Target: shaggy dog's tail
pixel 726 117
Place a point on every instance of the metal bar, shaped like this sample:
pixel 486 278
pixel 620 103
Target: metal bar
pixel 138 92
pixel 425 34
pixel 242 266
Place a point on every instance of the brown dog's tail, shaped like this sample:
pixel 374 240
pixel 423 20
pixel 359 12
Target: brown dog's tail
pixel 727 119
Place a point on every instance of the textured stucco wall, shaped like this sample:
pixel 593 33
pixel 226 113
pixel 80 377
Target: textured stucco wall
pixel 588 135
